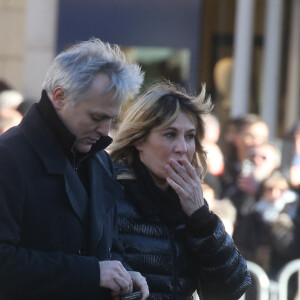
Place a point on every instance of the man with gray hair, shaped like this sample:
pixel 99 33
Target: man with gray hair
pixel 57 192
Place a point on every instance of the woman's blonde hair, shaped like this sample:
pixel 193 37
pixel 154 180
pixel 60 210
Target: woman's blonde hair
pixel 157 108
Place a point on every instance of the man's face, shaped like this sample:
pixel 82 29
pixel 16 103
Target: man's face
pixel 255 134
pixel 251 136
pixel 91 117
pixel 264 158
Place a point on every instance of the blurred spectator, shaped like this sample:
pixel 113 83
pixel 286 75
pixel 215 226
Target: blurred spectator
pixel 208 194
pixel 215 159
pixel 245 133
pixel 223 208
pixel 244 192
pixel 229 132
pixel 261 162
pixel 215 166
pixel 276 198
pixel 24 106
pixel 10 99
pixel 252 132
pixel 285 241
pixel 9 118
pixel 266 228
pixel 212 128
pixel 227 213
pixel 4 86
pixel 291 156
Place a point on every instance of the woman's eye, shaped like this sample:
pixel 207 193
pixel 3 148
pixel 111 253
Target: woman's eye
pixel 170 135
pixel 190 136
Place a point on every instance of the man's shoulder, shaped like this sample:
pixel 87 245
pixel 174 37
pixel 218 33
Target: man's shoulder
pixel 11 138
pixel 30 138
pixel 13 155
pixel 15 135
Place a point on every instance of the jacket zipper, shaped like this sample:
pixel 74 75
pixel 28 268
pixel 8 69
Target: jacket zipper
pixel 76 166
pixel 173 253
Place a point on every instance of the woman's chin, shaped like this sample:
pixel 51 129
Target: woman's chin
pixel 161 182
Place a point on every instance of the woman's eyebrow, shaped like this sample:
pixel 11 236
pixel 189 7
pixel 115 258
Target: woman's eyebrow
pixel 175 128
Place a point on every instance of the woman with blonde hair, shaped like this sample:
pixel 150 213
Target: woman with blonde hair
pixel 167 230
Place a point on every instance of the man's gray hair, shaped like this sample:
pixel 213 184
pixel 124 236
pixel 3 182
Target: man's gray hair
pixel 75 69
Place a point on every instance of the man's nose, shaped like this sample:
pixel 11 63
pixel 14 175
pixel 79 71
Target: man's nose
pixel 103 128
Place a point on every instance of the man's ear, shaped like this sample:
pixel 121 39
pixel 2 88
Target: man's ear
pixel 58 98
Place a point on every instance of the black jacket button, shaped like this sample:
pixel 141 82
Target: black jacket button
pixel 81 251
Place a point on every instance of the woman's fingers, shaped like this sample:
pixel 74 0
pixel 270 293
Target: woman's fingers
pixel 198 171
pixel 176 174
pixel 176 187
pixel 183 169
pixel 185 180
pixel 194 173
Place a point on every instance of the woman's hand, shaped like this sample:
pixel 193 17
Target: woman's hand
pixel 185 180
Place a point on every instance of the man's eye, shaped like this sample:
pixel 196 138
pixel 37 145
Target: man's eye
pixel 97 119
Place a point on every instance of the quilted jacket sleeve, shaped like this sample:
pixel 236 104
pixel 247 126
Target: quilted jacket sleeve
pixel 222 270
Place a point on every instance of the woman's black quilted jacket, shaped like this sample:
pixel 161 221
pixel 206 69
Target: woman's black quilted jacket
pixel 176 260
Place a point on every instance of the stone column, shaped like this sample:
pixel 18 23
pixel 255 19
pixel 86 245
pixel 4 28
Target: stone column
pixel 40 44
pixel 271 67
pixel 12 20
pixel 243 44
pixel 292 113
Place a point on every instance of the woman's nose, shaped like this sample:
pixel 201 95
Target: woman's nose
pixel 181 146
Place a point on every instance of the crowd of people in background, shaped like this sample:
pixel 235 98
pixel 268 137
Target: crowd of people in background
pixel 13 106
pixel 252 183
pixel 260 178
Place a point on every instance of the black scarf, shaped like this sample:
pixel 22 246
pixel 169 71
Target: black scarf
pixel 165 204
pixel 66 139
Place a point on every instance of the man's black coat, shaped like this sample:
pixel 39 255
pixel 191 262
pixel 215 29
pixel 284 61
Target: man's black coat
pixel 53 231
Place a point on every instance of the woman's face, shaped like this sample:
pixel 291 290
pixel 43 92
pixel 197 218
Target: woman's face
pixel 177 141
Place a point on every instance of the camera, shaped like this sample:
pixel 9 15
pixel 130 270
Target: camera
pixel 134 295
